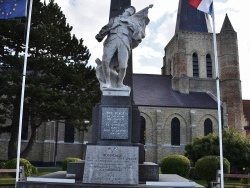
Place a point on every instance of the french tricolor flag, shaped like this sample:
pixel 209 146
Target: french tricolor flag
pixel 202 5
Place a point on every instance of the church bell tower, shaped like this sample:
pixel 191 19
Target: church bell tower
pixel 189 58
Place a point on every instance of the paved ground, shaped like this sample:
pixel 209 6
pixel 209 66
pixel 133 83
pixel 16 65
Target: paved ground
pixel 60 181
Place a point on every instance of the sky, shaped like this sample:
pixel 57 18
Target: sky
pixel 88 16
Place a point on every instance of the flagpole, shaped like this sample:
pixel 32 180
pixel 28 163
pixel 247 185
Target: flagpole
pixel 22 95
pixel 218 101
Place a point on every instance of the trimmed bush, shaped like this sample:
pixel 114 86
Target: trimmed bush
pixel 67 160
pixel 29 169
pixel 175 164
pixel 206 167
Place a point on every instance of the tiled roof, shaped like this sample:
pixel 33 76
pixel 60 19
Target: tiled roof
pixel 156 90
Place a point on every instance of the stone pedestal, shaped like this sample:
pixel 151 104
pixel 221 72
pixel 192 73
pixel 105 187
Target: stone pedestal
pixel 148 171
pixel 115 155
pixel 111 165
pixel 116 121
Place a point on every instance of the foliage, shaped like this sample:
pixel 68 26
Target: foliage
pixel 29 169
pixel 59 84
pixel 67 160
pixel 2 165
pixel 245 181
pixel 206 167
pixel 175 164
pixel 236 149
pixel 192 174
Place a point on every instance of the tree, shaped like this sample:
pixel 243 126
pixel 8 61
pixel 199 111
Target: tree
pixel 59 84
pixel 236 149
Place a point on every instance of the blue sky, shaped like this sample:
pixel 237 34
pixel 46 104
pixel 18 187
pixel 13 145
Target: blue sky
pixel 88 16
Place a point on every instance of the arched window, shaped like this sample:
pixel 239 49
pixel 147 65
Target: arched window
pixel 175 131
pixel 209 66
pixel 195 65
pixel 143 131
pixel 69 132
pixel 208 127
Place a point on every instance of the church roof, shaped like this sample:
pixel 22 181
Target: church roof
pixel 156 90
pixel 191 19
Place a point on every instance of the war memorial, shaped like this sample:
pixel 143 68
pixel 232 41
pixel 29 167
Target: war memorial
pixel 115 157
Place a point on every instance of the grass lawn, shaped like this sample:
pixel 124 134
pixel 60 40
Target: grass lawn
pixel 47 170
pixel 229 181
pixel 8 180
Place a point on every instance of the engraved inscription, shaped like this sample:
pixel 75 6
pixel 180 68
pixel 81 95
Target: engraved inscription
pixel 114 123
pixel 111 165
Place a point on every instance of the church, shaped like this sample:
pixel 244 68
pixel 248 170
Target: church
pixel 177 105
pixel 181 103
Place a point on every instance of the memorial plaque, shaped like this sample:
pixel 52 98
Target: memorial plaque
pixel 111 165
pixel 114 123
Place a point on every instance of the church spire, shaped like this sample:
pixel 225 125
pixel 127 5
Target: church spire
pixel 227 26
pixel 191 19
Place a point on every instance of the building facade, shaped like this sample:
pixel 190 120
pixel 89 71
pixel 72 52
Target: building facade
pixel 175 106
pixel 181 103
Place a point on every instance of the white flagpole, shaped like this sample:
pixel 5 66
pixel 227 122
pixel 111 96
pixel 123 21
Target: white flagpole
pixel 218 102
pixel 22 95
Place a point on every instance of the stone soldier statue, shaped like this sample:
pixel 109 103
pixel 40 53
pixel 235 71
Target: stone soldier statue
pixel 124 33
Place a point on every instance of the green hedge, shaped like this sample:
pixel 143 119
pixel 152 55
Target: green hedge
pixel 206 167
pixel 29 169
pixel 175 164
pixel 67 160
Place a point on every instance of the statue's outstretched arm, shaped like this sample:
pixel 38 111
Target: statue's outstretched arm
pixel 104 31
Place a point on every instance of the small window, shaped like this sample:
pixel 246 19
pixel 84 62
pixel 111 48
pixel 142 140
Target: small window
pixel 208 127
pixel 209 66
pixel 69 132
pixel 175 131
pixel 195 65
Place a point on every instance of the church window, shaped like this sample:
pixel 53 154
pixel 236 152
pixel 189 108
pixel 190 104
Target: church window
pixel 195 65
pixel 69 132
pixel 209 66
pixel 175 131
pixel 143 130
pixel 208 127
